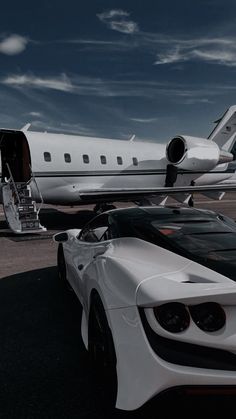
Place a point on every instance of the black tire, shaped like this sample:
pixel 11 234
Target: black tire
pixel 102 352
pixel 61 267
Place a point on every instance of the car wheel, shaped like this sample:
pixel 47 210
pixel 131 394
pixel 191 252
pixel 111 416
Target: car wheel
pixel 102 351
pixel 61 266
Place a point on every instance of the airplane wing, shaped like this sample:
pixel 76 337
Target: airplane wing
pixel 126 194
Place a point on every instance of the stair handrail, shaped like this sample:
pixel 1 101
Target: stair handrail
pixel 11 180
pixel 39 192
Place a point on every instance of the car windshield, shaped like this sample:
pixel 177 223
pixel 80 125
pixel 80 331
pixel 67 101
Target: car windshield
pixel 212 239
pixel 207 239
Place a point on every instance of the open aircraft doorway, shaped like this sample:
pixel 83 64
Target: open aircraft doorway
pixel 20 209
pixel 15 154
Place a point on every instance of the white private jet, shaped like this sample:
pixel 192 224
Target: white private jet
pixel 74 170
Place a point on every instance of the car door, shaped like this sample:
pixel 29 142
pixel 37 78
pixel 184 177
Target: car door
pixel 89 246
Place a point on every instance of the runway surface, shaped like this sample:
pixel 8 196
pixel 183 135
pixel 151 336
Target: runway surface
pixel 44 369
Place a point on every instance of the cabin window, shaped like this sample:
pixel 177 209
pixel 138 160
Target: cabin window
pixel 103 159
pixel 67 157
pixel 85 158
pixel 135 161
pixel 119 160
pixel 47 156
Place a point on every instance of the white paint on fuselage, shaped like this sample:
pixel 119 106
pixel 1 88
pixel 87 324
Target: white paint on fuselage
pixel 61 182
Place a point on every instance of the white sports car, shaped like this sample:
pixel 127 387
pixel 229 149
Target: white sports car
pixel 157 287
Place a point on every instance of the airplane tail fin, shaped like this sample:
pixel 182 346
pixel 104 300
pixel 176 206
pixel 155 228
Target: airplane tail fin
pixel 224 132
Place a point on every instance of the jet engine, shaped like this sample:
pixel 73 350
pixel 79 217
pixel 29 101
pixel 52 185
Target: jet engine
pixel 193 153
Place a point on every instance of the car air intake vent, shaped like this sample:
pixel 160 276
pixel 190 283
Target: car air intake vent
pixel 188 282
pixel 197 280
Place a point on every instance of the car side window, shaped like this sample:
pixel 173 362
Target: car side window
pixel 91 237
pixel 96 230
pixel 100 233
pixel 82 235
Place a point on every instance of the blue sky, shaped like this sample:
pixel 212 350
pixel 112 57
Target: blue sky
pixel 117 68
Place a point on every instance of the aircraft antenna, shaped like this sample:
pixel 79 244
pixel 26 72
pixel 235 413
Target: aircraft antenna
pixel 132 138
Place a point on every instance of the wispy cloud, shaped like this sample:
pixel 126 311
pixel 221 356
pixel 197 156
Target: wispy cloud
pixel 111 14
pixel 69 128
pixel 144 120
pixel 168 50
pixel 193 100
pixel 35 114
pixel 218 56
pixel 118 20
pixel 91 42
pixel 13 44
pixel 173 55
pixel 61 83
pixel 221 51
pixel 113 46
pixel 30 85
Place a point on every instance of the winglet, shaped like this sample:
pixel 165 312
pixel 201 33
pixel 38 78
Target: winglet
pixel 132 138
pixel 26 127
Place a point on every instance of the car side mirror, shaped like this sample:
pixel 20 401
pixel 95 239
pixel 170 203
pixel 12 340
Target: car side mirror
pixel 61 237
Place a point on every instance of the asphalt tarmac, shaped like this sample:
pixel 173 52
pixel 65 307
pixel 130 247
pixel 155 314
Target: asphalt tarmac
pixel 44 368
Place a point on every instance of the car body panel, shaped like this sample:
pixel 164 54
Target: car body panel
pixel 130 274
pixel 142 374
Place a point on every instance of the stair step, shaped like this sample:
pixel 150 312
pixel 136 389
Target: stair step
pixel 20 208
pixel 24 193
pixel 26 208
pixel 19 186
pixel 26 200
pixel 28 216
pixel 30 225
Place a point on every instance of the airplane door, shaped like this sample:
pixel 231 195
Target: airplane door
pixel 15 154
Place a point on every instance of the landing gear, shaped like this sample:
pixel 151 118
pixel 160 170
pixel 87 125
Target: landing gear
pixel 171 175
pixel 99 208
pixel 144 202
pixel 191 201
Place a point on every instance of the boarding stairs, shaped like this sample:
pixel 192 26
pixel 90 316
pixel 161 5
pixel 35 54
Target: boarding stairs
pixel 20 209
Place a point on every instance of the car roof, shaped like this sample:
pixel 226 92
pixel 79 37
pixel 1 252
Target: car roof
pixel 161 211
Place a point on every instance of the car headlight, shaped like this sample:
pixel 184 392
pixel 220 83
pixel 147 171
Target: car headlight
pixel 173 317
pixel 209 317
